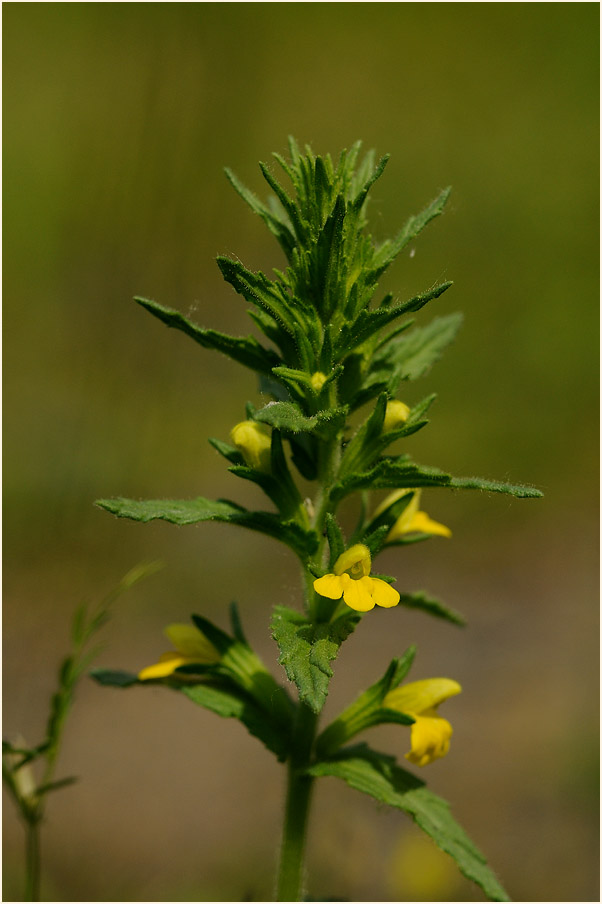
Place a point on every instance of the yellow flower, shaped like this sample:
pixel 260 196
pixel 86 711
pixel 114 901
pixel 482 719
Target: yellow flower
pixel 317 380
pixel 396 414
pixel 254 441
pixel 351 581
pixel 191 646
pixel 430 734
pixel 411 519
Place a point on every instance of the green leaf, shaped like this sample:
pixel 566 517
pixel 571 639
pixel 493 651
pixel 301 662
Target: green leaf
pixel 494 486
pixel 233 703
pixel 192 511
pixel 389 250
pixel 409 356
pixel 288 417
pixel 247 350
pixel 276 226
pixel 432 606
pixel 379 776
pixel 113 677
pixel 307 649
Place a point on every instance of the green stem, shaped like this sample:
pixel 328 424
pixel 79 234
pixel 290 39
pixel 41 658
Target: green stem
pixel 298 800
pixel 32 860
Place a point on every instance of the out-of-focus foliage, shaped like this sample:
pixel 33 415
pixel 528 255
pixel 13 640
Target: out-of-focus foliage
pixel 118 120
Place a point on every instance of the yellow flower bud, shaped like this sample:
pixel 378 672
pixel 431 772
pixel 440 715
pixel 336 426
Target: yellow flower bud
pixel 254 440
pixel 317 380
pixel 396 414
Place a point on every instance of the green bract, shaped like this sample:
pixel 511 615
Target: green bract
pixel 328 345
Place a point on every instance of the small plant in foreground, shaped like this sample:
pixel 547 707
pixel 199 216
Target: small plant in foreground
pixel 20 762
pixel 329 352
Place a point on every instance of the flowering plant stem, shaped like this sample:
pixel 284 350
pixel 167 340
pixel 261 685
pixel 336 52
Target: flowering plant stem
pixel 327 357
pixel 297 806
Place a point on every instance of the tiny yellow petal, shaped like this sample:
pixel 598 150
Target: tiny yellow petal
pixel 168 663
pixel 430 739
pixel 356 560
pixel 254 441
pixel 317 380
pixel 358 594
pixel 330 586
pixel 383 594
pixel 420 696
pixel 425 525
pixel 396 414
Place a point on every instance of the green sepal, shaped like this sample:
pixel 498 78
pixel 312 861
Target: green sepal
pixel 307 649
pixel 230 453
pixel 113 677
pixel 192 511
pixel 244 667
pixel 336 540
pixel 246 350
pixel 379 776
pixel 432 606
pixel 367 710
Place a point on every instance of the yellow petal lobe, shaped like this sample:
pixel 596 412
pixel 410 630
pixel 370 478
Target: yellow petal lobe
pixel 358 594
pixel 430 737
pixel 383 594
pixel 420 696
pixel 330 586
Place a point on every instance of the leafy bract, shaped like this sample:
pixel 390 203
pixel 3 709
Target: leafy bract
pixel 192 511
pixel 307 649
pixel 379 776
pixel 245 350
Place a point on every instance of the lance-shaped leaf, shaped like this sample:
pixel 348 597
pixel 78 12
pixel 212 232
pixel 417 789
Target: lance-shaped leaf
pixel 398 472
pixel 367 710
pixel 192 511
pixel 245 350
pixel 276 226
pixel 409 356
pixel 370 322
pixel 307 649
pixel 389 250
pixel 379 776
pixel 432 606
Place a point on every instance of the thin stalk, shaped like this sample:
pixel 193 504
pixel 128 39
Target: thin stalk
pixel 32 860
pixel 296 814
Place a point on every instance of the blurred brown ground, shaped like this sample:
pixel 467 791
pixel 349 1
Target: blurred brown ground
pixel 118 119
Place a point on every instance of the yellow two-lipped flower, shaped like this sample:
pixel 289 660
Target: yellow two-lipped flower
pixel 191 647
pixel 411 520
pixel 351 580
pixel 430 734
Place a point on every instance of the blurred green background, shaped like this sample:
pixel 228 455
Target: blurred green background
pixel 118 119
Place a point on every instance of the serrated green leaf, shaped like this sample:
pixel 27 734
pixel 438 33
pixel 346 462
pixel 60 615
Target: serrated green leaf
pixel 432 606
pixel 389 250
pixel 379 776
pixel 192 511
pixel 233 703
pixel 409 356
pixel 245 350
pixel 495 486
pixel 307 649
